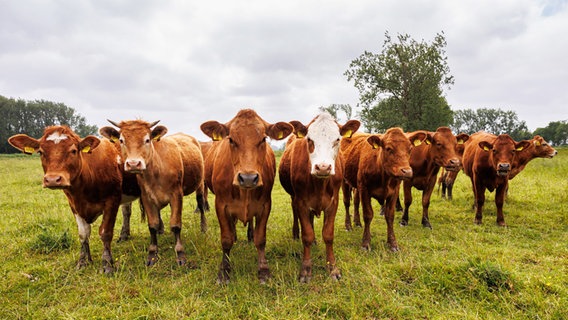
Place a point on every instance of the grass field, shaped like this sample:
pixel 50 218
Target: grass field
pixel 458 270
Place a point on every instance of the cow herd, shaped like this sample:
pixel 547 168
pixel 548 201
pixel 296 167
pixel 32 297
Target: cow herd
pixel 136 159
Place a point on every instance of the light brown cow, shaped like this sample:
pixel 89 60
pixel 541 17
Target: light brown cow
pixel 376 165
pixel 167 168
pixel 88 173
pixel 538 148
pixel 487 161
pixel 439 151
pixel 240 171
pixel 311 172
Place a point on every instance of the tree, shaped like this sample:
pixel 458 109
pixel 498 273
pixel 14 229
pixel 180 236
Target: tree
pixel 31 118
pixel 494 121
pixel 555 132
pixel 334 108
pixel 403 85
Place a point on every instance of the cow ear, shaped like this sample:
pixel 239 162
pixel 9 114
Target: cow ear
pixel 429 138
pixel 347 130
pixel 462 138
pixel 417 138
pixel 519 146
pixel 215 130
pixel 300 130
pixel 375 141
pixel 110 133
pixel 279 130
pixel 158 132
pixel 24 143
pixel 89 143
pixel 486 146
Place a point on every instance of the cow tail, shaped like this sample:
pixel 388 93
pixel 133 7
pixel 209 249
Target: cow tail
pixel 142 212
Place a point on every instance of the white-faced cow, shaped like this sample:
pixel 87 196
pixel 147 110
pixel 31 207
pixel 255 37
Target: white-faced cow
pixel 311 172
pixel 167 168
pixel 240 170
pixel 88 173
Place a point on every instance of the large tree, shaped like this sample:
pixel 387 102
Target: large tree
pixel 555 132
pixel 403 85
pixel 31 117
pixel 494 121
pixel 333 110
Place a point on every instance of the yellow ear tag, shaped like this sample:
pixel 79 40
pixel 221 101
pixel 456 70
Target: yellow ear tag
pixel 375 146
pixel 428 141
pixel 216 137
pixel 537 143
pixel 348 134
pixel 156 138
pixel 86 149
pixel 416 142
pixel 114 139
pixel 460 141
pixel 300 135
pixel 519 148
pixel 29 150
pixel 280 135
pixel 485 148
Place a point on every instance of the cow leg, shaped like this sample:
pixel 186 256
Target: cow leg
pixel 356 202
pixel 250 229
pixel 390 204
pixel 126 213
pixel 308 237
pixel 106 233
pixel 367 218
pixel 155 224
pixel 346 203
pixel 407 187
pixel 479 202
pixel 228 237
pixel 328 236
pixel 500 195
pixel 201 210
pixel 426 196
pixel 260 243
pixel 175 225
pixel 84 234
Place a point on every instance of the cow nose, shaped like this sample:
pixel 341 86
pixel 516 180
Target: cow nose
pixel 455 162
pixel 406 173
pixel 504 167
pixel 134 165
pixel 322 169
pixel 248 180
pixel 52 181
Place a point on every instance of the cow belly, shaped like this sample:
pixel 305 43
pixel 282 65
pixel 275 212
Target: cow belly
pixel 244 211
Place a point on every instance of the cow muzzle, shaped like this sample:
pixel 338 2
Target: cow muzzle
pixel 322 170
pixel 248 180
pixel 134 165
pixel 55 181
pixel 405 173
pixel 503 169
pixel 453 165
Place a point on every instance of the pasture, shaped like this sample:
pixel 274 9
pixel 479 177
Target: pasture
pixel 458 270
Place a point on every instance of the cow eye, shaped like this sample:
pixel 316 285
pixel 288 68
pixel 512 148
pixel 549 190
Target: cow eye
pixel 121 141
pixel 147 140
pixel 232 142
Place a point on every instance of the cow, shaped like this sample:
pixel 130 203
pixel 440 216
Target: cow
pixel 166 168
pixel 447 178
pixel 439 151
pixel 538 148
pixel 488 160
pixel 240 171
pixel 311 172
pixel 376 165
pixel 87 171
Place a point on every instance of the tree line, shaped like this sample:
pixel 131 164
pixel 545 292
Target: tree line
pixel 31 118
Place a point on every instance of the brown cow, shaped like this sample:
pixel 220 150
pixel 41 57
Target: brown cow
pixel 375 165
pixel 240 171
pixel 167 168
pixel 88 173
pixel 439 151
pixel 311 172
pixel 487 161
pixel 538 148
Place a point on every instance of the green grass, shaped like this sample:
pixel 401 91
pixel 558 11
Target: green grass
pixel 458 270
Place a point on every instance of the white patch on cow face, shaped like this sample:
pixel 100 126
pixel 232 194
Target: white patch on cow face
pixel 84 229
pixel 57 137
pixel 323 132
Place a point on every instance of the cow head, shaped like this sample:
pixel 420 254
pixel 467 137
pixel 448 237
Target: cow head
pixel 136 138
pixel 60 151
pixel 444 146
pixel 502 151
pixel 246 136
pixel 395 153
pixel 323 135
pixel 540 148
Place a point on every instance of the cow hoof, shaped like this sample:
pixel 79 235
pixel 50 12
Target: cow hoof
pixel 204 228
pixel 335 274
pixel 403 223
pixel 366 247
pixel 223 277
pixel 123 237
pixel 263 276
pixel 151 261
pixel 305 279
pixel 426 224
pixel 108 270
pixel 501 223
pixel 478 221
pixel 348 227
pixel 82 263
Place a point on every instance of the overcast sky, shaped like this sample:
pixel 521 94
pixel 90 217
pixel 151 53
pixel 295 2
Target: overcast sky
pixel 186 62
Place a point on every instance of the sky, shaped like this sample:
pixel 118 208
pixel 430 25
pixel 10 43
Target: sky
pixel 187 62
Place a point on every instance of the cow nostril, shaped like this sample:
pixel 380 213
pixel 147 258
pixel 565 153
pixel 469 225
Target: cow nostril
pixel 248 180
